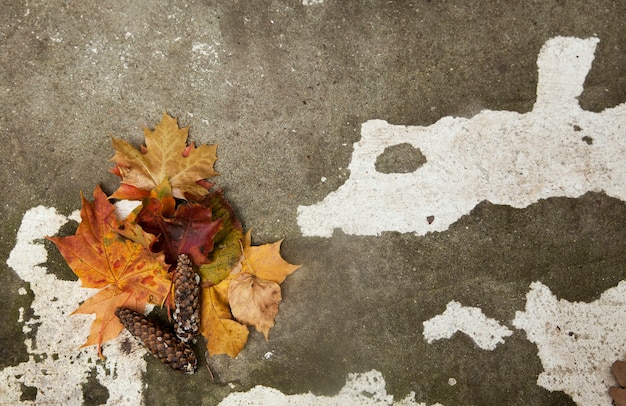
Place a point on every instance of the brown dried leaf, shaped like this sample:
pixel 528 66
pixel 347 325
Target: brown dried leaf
pixel 254 301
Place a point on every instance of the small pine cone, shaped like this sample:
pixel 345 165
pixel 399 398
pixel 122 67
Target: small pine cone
pixel 186 299
pixel 160 341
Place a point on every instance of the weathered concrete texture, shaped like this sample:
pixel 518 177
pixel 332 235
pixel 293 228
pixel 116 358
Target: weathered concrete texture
pixel 283 87
pixel 557 149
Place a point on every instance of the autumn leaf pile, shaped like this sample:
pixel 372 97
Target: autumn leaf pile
pixel 132 260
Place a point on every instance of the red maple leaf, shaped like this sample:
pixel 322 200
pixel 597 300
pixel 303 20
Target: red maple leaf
pixel 190 230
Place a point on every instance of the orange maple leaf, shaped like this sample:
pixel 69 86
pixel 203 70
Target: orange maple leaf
pixel 127 273
pixel 165 156
pixel 265 261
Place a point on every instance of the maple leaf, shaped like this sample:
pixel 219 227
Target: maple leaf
pixel 133 231
pixel 165 156
pixel 250 294
pixel 265 261
pixel 127 273
pixel 224 335
pixel 254 294
pixel 190 230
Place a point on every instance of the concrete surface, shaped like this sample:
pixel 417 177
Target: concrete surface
pixel 504 305
pixel 557 149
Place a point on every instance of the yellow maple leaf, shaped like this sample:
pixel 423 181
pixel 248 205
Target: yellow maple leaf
pixel 265 261
pixel 166 155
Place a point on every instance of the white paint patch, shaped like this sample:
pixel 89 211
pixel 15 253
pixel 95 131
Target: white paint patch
pixel 122 208
pixel 577 341
pixel 311 2
pixel 505 157
pixel 367 389
pixel 57 367
pixel 487 333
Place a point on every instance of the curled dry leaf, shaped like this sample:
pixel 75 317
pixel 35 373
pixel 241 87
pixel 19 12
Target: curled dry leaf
pixel 254 301
pixel 254 293
pixel 251 292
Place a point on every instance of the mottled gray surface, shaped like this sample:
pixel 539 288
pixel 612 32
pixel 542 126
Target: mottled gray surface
pixel 283 89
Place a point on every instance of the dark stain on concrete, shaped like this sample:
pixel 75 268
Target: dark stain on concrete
pixel 93 392
pixel 400 158
pixel 29 393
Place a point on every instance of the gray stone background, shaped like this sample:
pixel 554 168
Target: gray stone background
pixel 283 89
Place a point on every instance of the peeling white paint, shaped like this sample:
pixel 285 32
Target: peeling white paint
pixel 57 367
pixel 367 389
pixel 123 208
pixel 577 341
pixel 487 333
pixel 505 157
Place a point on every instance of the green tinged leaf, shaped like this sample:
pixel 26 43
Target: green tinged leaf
pixel 227 249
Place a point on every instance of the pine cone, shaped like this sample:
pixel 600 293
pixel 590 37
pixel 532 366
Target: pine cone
pixel 160 341
pixel 186 299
